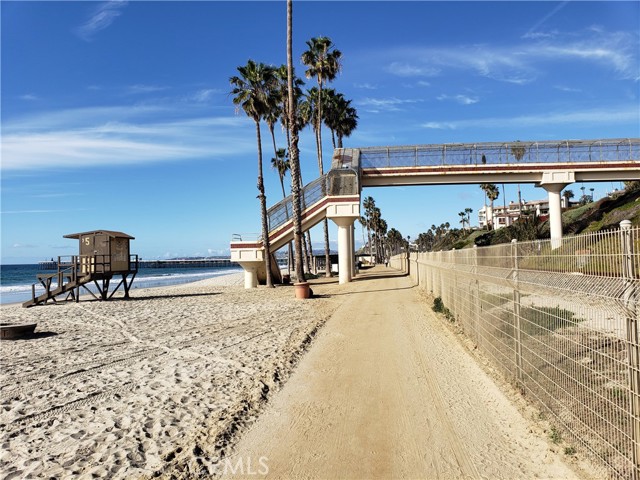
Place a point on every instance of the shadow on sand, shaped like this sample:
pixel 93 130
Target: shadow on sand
pixel 160 297
pixel 364 276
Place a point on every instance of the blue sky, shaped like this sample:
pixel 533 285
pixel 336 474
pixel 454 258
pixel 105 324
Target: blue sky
pixel 117 115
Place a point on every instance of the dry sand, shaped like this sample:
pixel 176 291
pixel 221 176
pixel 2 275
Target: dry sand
pixel 124 389
pixel 172 382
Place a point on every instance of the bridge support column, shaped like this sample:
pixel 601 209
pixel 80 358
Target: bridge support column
pixel 344 214
pixel 553 183
pixel 352 246
pixel 250 274
pixel 250 258
pixel 345 252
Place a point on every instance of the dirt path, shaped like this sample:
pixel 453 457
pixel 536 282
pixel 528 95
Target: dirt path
pixel 387 391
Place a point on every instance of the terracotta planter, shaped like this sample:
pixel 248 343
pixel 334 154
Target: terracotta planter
pixel 302 290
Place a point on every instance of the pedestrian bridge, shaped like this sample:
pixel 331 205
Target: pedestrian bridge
pixel 551 165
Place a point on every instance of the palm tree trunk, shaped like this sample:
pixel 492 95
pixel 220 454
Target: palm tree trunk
pixel 293 150
pixel 273 139
pixel 327 253
pixel 325 223
pixel 263 210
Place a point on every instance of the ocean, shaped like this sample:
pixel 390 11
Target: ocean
pixel 16 280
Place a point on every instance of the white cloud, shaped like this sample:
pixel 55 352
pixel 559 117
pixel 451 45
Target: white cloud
pixel 115 135
pixel 439 125
pixel 406 69
pixel 204 95
pixel 618 51
pixel 532 32
pixel 365 86
pixel 587 117
pixel 563 88
pixel 386 104
pixel 102 17
pixel 524 62
pixel 30 97
pixel 461 99
pixel 141 89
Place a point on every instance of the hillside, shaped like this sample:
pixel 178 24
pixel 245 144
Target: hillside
pixel 604 214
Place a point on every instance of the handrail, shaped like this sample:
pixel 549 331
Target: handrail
pixel 565 151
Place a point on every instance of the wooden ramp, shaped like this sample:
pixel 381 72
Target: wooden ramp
pixel 69 288
pixel 78 273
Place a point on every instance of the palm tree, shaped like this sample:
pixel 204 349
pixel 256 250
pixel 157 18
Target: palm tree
pixel 302 120
pixel 492 193
pixel 340 117
pixel 283 87
pixel 281 163
pixel 518 152
pixel 251 91
pixel 568 195
pixel 323 62
pixel 394 240
pixel 468 212
pixel 463 219
pixel 294 153
pixel 368 204
pixel 274 108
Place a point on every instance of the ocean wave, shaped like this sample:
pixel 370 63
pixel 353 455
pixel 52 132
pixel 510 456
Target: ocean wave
pixel 22 292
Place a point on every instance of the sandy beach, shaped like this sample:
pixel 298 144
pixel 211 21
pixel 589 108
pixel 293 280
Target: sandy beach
pixel 207 380
pixel 129 389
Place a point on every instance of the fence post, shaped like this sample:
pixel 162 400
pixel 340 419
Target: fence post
pixel 478 300
pixel 516 315
pixel 629 301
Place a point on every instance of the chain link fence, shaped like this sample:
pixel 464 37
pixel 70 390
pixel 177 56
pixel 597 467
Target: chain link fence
pixel 561 323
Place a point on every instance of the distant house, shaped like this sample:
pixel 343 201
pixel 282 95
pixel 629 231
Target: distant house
pixel 504 216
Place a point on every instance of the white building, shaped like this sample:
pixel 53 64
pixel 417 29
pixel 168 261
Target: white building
pixel 504 216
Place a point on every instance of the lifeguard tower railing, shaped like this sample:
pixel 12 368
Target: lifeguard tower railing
pixel 545 152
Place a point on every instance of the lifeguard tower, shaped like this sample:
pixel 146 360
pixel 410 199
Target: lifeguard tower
pixel 103 254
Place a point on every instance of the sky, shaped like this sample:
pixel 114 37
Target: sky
pixel 118 115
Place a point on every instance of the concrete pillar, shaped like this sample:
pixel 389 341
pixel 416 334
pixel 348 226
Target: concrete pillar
pixel 555 213
pixel 345 253
pixel 250 274
pixel 352 249
pixel 553 183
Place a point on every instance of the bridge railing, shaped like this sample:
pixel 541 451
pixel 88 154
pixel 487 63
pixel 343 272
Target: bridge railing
pixel 569 151
pixel 335 183
pixel 282 211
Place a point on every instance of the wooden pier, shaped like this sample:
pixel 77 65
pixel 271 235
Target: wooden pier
pixel 188 263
